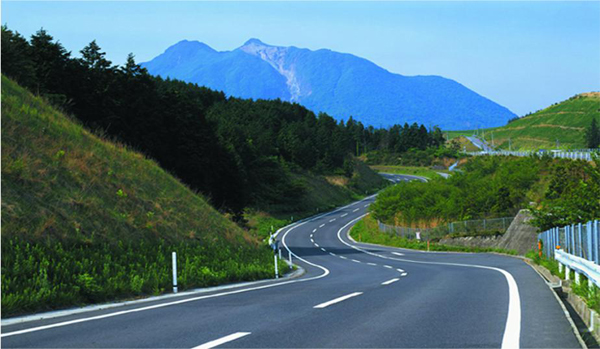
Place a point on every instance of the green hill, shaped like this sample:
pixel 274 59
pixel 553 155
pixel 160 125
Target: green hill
pixel 565 122
pixel 85 220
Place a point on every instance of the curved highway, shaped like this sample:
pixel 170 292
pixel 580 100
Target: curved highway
pixel 352 295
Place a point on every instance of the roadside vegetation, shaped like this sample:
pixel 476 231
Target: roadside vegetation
pixel 559 191
pixel 567 123
pixel 367 230
pixel 85 220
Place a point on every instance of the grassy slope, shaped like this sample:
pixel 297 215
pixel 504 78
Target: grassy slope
pixel 81 215
pixel 321 194
pixel 565 121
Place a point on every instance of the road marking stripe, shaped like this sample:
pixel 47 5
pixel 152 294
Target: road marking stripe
pixel 400 270
pixel 356 210
pixel 398 253
pixel 390 281
pixel 337 300
pixel 223 340
pixel 312 240
pixel 332 220
pixel 344 215
pixel 388 266
pixel 372 263
pixel 316 244
pixel 403 274
pixel 314 231
pixel 321 226
pixel 322 249
pixel 333 254
pixel 367 205
pixel 342 257
pixel 512 329
pixel 355 261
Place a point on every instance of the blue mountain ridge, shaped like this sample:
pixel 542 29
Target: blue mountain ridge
pixel 339 84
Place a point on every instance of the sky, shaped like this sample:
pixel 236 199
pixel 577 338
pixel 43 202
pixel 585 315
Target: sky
pixel 522 55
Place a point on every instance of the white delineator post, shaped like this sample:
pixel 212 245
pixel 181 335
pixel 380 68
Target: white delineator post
pixel 276 271
pixel 174 272
pixel 290 254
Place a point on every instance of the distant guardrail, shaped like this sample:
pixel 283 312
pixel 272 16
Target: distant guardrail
pixel 582 154
pixel 462 227
pixel 576 247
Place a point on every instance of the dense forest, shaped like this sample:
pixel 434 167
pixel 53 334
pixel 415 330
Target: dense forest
pixel 237 152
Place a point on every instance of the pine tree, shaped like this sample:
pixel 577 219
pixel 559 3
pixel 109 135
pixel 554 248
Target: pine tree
pixel 592 135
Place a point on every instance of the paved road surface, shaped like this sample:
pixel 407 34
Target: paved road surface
pixel 352 296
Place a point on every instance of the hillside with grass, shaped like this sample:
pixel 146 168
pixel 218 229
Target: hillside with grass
pixel 565 121
pixel 85 220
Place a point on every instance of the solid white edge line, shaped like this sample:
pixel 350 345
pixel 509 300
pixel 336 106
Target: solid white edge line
pixel 512 330
pixel 390 281
pixel 222 340
pixel 337 300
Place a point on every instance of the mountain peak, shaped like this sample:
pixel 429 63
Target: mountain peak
pixel 255 41
pixel 192 45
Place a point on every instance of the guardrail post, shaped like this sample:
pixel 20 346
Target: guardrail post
pixel 567 273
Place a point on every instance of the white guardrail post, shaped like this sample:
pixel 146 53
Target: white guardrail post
pixel 579 265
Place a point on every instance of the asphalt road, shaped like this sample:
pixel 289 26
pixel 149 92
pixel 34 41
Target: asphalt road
pixel 351 296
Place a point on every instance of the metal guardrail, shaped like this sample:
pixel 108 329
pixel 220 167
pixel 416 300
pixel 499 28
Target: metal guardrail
pixel 463 227
pixel 576 247
pixel 583 154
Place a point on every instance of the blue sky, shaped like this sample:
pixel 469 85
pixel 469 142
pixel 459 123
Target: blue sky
pixel 523 55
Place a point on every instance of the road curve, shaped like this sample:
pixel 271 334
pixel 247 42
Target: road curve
pixel 352 296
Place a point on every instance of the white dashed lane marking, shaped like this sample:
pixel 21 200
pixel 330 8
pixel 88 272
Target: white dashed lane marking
pixel 390 281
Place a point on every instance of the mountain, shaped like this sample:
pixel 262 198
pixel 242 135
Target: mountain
pixel 339 84
pixel 564 122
